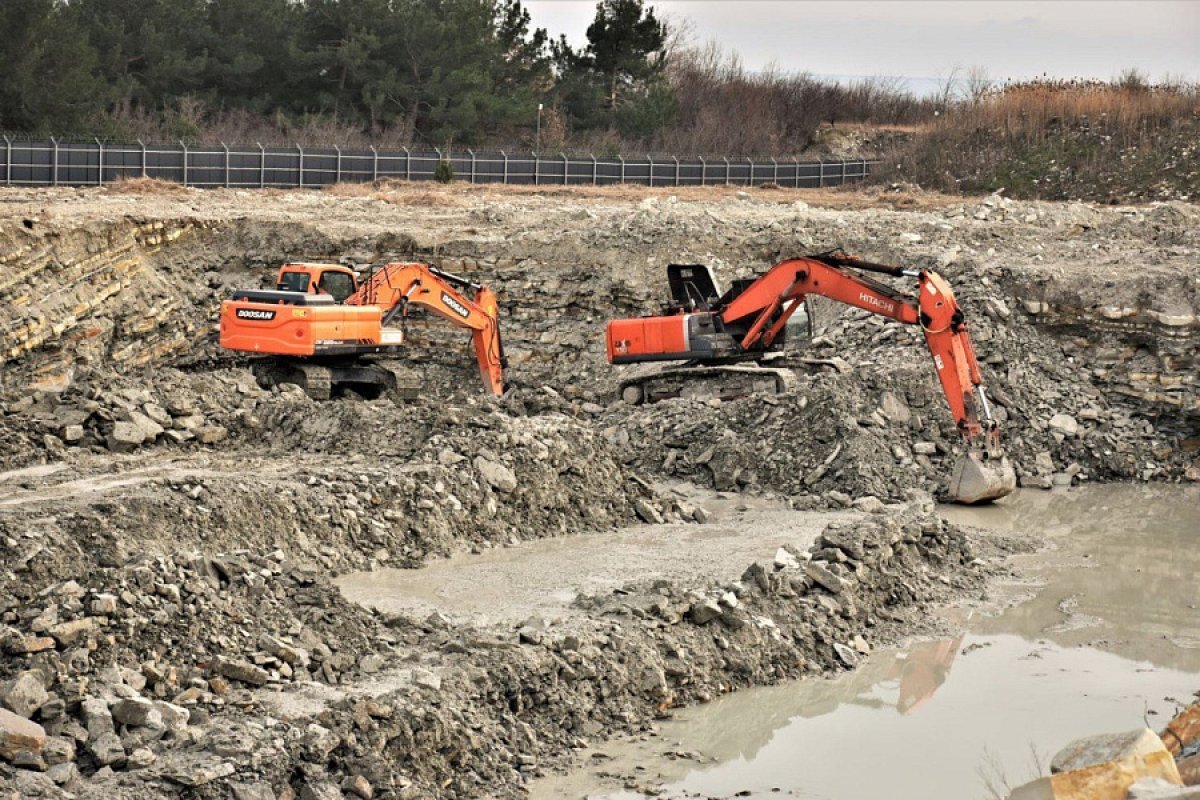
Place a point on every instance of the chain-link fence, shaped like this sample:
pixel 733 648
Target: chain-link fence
pixel 57 163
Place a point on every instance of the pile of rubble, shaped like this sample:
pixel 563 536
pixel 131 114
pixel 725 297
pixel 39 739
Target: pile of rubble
pixel 140 682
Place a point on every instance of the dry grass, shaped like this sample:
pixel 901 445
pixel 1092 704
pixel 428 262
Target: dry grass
pixel 400 193
pixel 1035 111
pixel 1061 140
pixel 146 186
pixel 460 194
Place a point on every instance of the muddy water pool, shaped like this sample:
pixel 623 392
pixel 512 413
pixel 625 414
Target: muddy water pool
pixel 1103 636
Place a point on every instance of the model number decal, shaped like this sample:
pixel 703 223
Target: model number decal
pixel 455 306
pixel 255 313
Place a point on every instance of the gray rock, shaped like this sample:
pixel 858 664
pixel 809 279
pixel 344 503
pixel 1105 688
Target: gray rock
pixel 137 712
pixel 869 504
pixel 18 734
pixel 125 436
pixel 824 577
pixel 359 786
pixel 240 671
pixel 319 742
pixel 496 475
pixel 647 512
pixel 25 693
pixel 426 679
pixel 320 790
pixel 150 429
pixel 211 434
pixel 63 774
pixel 893 407
pixel 1064 424
pixel 846 655
pixel 174 717
pixel 106 748
pixel 58 750
pixel 252 791
pixel 201 773
pixel 704 612
pixel 296 656
pixel 785 559
pixel 103 604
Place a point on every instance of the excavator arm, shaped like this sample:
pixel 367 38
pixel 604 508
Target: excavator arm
pixel 749 320
pixel 395 287
pixel 770 301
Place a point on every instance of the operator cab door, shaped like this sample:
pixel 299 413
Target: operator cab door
pixel 337 284
pixel 294 282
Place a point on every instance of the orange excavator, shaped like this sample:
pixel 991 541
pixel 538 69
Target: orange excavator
pixel 321 325
pixel 712 332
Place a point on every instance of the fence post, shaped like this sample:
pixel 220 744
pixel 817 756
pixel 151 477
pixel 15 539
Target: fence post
pixel 472 152
pixel 505 157
pixel 439 161
pixel 750 177
pixel 566 167
pixel 676 158
pixel 703 170
pixel 843 183
pixel 774 171
pixel 821 173
pixel 407 163
pixel 650 161
pixel 300 163
pixel 796 162
pixel 262 165
pixel 622 169
pixel 225 147
pixel 7 161
pixel 537 168
pixel 185 162
pixel 99 162
pixel 337 177
pixel 595 168
pixel 54 174
pixel 374 164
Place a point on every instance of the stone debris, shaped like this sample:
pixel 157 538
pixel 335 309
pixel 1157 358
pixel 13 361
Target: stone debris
pixel 173 527
pixel 19 735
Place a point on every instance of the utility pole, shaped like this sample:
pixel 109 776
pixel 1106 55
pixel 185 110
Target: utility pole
pixel 538 142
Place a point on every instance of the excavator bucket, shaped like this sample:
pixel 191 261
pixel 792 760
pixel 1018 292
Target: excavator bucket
pixel 978 478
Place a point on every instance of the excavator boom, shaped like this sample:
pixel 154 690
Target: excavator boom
pixel 750 320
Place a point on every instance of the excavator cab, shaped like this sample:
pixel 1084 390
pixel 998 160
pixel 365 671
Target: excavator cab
pixel 692 286
pixel 336 281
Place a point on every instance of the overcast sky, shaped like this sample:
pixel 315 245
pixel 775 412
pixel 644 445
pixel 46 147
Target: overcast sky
pixel 927 38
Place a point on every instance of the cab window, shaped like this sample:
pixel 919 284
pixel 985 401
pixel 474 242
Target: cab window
pixel 293 282
pixel 338 284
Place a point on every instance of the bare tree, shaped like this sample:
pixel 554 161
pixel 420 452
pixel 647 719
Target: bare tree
pixel 978 83
pixel 948 87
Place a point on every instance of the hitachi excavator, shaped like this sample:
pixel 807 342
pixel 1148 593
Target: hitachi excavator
pixel 320 325
pixel 712 332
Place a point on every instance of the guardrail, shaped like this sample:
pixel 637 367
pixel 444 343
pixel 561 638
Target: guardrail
pixel 56 163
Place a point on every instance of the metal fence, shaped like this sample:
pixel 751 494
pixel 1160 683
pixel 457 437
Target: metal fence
pixel 55 163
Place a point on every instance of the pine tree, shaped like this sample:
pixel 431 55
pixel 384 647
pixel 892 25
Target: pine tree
pixel 51 82
pixel 625 45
